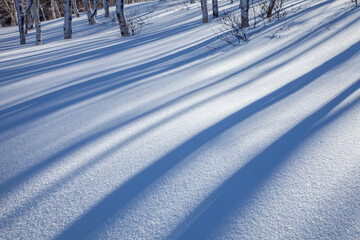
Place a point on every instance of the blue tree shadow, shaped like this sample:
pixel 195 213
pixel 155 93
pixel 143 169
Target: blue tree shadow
pixel 223 198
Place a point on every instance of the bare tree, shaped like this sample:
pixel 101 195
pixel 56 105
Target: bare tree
pixel 231 30
pixel 67 20
pixel 270 8
pixel 106 8
pixel 28 16
pixel 42 15
pixel 73 3
pixel 35 12
pixel 215 6
pixel 88 11
pixel 33 7
pixel 93 14
pixel 204 9
pixel 52 8
pixel 20 21
pixel 55 12
pixel 9 7
pixel 244 7
pixel 120 13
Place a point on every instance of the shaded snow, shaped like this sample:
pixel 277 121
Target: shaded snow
pixel 173 134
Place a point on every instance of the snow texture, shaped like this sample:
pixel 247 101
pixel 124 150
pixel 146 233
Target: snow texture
pixel 173 134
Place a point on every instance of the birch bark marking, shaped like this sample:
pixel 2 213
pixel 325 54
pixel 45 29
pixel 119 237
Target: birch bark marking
pixel 67 20
pixel 20 22
pixel 204 9
pixel 120 13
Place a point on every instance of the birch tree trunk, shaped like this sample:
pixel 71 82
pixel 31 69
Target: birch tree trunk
pixel 73 2
pixel 20 22
pixel 15 15
pixel 52 8
pixel 106 8
pixel 93 14
pixel 120 13
pixel 28 17
pixel 41 12
pixel 35 12
pixel 204 9
pixel 29 22
pixel 67 20
pixel 215 8
pixel 88 11
pixel 56 8
pixel 270 9
pixel 244 6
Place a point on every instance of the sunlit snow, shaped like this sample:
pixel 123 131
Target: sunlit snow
pixel 172 133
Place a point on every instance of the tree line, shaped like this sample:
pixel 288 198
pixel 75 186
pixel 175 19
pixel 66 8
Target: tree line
pixel 28 14
pixel 48 9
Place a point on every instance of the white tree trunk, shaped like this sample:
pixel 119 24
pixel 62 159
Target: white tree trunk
pixel 28 17
pixel 15 15
pixel 56 8
pixel 73 2
pixel 29 22
pixel 88 11
pixel 106 8
pixel 244 6
pixel 204 9
pixel 67 20
pixel 93 15
pixel 20 22
pixel 120 13
pixel 215 8
pixel 41 12
pixel 35 12
pixel 52 8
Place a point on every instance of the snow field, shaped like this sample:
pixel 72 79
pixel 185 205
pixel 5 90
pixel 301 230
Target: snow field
pixel 173 134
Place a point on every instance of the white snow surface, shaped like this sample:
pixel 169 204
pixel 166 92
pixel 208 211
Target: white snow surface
pixel 173 134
